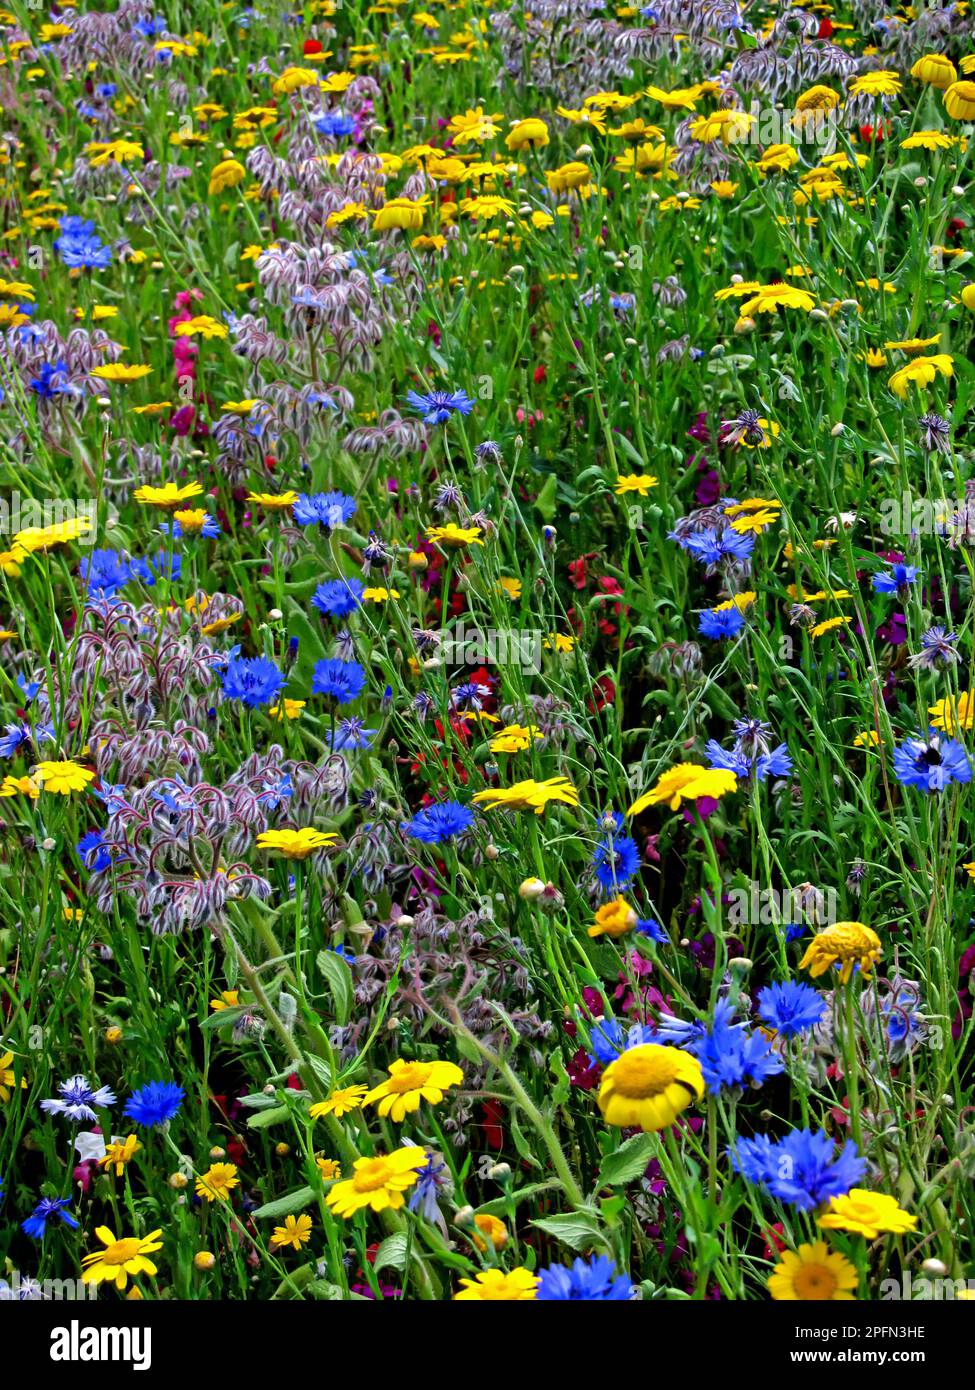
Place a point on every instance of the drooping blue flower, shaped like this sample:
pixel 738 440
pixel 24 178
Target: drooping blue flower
pixel 900 578
pixel 254 680
pixel 92 852
pixel 155 1103
pixel 15 737
pixel 341 681
pixel 49 1209
pixel 804 1168
pixel 338 597
pixel 616 860
pixel 930 764
pixel 328 509
pixel 439 822
pixel 431 1180
pixel 53 379
pixel 646 926
pixel 590 1280
pixel 438 406
pixel 720 623
pixel 791 1008
pixel 78 1100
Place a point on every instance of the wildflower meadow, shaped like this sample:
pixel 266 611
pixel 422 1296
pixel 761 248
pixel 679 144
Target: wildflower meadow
pixel 487 590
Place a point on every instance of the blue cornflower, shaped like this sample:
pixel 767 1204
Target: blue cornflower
pixel 92 852
pixel 791 1008
pixel 342 681
pixel 729 1055
pixel 329 509
pixel 47 1209
pixel 162 565
pixel 438 406
pixel 470 695
pixel 440 822
pixel 352 733
pixel 594 1280
pixel 338 597
pixel 711 548
pixel 15 737
pixel 80 246
pixel 746 762
pixel 719 623
pixel 334 123
pixel 803 1168
pixel 607 1039
pixel 931 764
pixel 78 1099
pixel 616 860
pixel 937 650
pixel 900 578
pixel 253 680
pixel 105 572
pixel 155 1103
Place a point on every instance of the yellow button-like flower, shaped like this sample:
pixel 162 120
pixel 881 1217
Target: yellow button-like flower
pixel 340 1102
pixel 812 1274
pixel 868 1214
pixel 846 944
pixel 63 777
pixel 686 782
pixel 409 1083
pixel 120 1258
pixel 935 70
pixel 402 214
pixel 377 1183
pixel 614 919
pixel 227 174
pixel 648 1086
pixel 296 844
pixel 497 1286
pixel 959 101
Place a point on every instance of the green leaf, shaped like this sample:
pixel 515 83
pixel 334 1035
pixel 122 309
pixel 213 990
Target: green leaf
pixel 286 1206
pixel 338 976
pixel 545 502
pixel 265 1118
pixel 392 1253
pixel 628 1162
pixel 562 1088
pixel 576 1229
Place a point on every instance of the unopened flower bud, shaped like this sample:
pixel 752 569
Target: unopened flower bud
pixel 531 889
